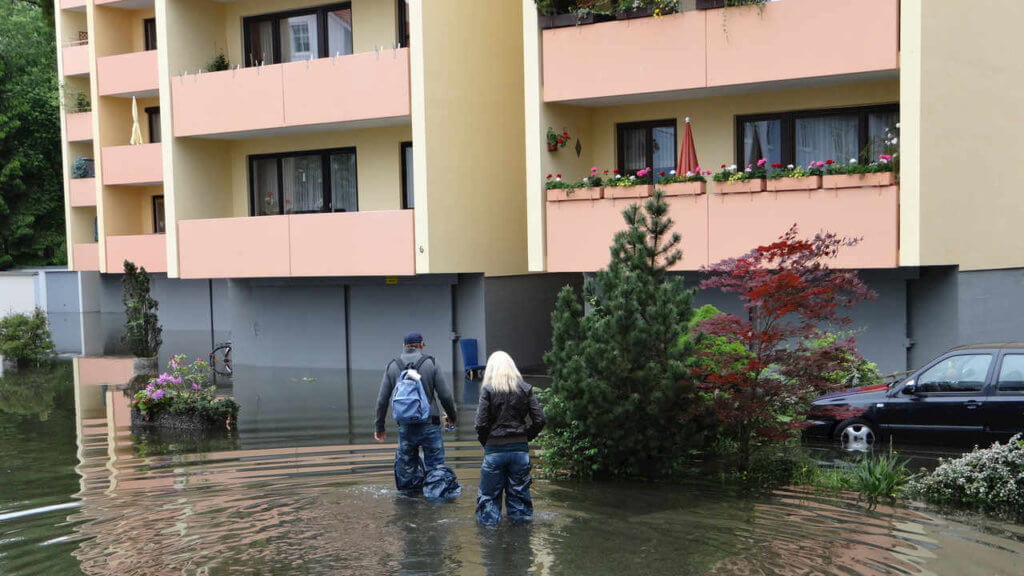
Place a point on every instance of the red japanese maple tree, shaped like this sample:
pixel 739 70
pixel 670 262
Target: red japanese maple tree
pixel 785 356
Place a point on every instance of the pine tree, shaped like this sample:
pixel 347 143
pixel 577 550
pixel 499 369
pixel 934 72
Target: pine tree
pixel 620 387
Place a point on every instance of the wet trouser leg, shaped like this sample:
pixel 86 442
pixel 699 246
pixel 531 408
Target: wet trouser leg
pixel 518 504
pixel 492 483
pixel 433 446
pixel 409 470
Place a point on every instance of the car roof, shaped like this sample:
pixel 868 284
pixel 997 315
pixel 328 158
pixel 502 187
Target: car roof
pixel 991 346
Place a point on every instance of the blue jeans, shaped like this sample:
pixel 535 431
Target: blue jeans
pixel 409 468
pixel 507 472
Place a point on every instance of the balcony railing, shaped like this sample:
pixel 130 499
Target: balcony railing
pixel 86 257
pixel 718 226
pixel 79 126
pixel 779 41
pixel 75 57
pixel 328 91
pixel 132 74
pixel 82 192
pixel 378 243
pixel 145 250
pixel 132 165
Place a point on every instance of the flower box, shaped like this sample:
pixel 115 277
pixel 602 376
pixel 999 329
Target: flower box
pixel 566 20
pixel 566 194
pixel 635 13
pixel 756 185
pixel 802 183
pixel 640 191
pixel 859 180
pixel 684 188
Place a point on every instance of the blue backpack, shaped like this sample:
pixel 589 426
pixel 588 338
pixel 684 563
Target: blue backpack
pixel 410 404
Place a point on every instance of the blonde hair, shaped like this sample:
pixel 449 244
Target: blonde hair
pixel 501 373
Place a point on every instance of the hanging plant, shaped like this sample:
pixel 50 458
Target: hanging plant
pixel 556 140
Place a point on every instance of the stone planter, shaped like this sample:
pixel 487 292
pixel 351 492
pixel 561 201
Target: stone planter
pixel 143 366
pixel 567 194
pixel 804 183
pixel 859 180
pixel 166 420
pixel 641 191
pixel 684 188
pixel 736 187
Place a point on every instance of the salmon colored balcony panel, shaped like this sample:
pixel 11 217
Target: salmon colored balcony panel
pixel 79 126
pixel 739 222
pixel 86 257
pixel 580 232
pixel 76 59
pixel 379 243
pixel 132 165
pixel 145 250
pixel 228 101
pixel 110 370
pixel 357 87
pixel 82 192
pixel 77 5
pixel 625 57
pixel 233 247
pixel 132 74
pixel 801 39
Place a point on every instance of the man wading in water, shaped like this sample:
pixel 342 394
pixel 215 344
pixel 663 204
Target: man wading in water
pixel 416 383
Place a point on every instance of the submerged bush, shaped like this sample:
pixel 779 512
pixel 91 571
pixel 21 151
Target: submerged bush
pixel 878 477
pixel 990 480
pixel 25 338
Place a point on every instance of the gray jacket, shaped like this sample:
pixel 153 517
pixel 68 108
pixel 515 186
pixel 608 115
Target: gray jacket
pixel 433 385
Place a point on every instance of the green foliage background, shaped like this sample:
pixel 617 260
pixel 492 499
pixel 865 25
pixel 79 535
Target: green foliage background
pixel 31 181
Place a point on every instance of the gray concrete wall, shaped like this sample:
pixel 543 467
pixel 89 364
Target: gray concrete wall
pixel 934 318
pixel 991 307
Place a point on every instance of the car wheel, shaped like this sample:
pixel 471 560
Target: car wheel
pixel 856 434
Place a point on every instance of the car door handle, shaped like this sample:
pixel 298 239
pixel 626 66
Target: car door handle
pixel 972 404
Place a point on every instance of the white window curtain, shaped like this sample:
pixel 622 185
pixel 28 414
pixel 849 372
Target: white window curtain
pixel 265 187
pixel 344 196
pixel 302 178
pixel 762 139
pixel 634 149
pixel 880 126
pixel 825 138
pixel 664 149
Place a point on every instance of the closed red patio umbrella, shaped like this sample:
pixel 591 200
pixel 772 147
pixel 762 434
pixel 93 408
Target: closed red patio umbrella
pixel 687 153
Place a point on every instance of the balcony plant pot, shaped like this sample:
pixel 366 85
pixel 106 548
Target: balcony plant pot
pixel 757 185
pixel 710 4
pixel 639 191
pixel 684 188
pixel 568 194
pixel 547 22
pixel 552 147
pixel 859 180
pixel 631 14
pixel 803 183
pixel 189 422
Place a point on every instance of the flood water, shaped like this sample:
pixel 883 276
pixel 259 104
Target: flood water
pixel 297 492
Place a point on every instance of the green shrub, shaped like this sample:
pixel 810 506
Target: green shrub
pixel 25 338
pixel 142 327
pixel 990 480
pixel 183 389
pixel 218 63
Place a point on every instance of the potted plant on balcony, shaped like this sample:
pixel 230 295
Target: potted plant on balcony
pixel 142 327
pixel 729 180
pixel 556 140
pixel 688 184
pixel 630 9
pixel 83 167
pixel 181 399
pixel 858 175
pixel 633 186
pixel 795 177
pixel 565 13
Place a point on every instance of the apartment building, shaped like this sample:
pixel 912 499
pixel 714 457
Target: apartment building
pixel 795 81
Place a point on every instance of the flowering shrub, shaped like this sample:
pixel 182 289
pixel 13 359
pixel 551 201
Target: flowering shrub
pixel 990 479
pixel 671 178
pixel 644 176
pixel 883 164
pixel 557 140
pixel 184 389
pixel 790 171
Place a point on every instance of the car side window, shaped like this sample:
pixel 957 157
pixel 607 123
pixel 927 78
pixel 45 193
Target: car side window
pixel 1011 374
pixel 964 373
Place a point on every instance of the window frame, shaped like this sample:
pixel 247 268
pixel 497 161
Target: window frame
pixel 649 125
pixel 325 169
pixel 402 17
pixel 788 128
pixel 149 122
pixel 275 19
pixel 405 180
pixel 149 34
pixel 159 198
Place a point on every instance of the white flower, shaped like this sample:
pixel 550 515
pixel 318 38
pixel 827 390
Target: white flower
pixel 631 177
pixel 673 172
pixel 894 141
pixel 747 170
pixel 789 166
pixel 853 160
pixel 558 179
pixel 732 168
pixel 688 174
pixel 897 125
pixel 617 176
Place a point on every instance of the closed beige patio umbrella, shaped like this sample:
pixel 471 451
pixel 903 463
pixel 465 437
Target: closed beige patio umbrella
pixel 136 132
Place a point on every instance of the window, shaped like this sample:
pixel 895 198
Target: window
pixel 153 120
pixel 297 35
pixel 646 145
pixel 403 23
pixel 149 33
pixel 159 225
pixel 408 198
pixel 965 373
pixel 303 182
pixel 815 135
pixel 1011 374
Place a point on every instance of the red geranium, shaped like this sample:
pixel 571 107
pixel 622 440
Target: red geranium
pixel 830 161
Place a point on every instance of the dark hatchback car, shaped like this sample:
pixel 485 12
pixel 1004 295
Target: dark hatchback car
pixel 971 394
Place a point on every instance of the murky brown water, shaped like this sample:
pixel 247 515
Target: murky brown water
pixel 87 498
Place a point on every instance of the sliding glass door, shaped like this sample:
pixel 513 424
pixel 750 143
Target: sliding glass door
pixel 297 35
pixel 303 182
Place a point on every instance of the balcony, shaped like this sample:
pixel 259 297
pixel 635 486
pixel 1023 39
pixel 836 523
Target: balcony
pixel 79 126
pixel 145 250
pixel 82 192
pixel 86 257
pixel 692 52
pixel 132 165
pixel 353 91
pixel 717 226
pixel 75 58
pixel 379 243
pixel 127 75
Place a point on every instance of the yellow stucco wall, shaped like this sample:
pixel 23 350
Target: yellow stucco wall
pixel 468 99
pixel 129 209
pixel 119 31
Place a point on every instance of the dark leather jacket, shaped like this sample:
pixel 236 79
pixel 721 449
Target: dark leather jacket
pixel 501 417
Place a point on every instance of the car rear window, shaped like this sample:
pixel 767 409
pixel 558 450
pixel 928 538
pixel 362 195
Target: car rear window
pixel 1011 374
pixel 964 373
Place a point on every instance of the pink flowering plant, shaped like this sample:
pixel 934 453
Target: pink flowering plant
pixel 790 171
pixel 184 388
pixel 755 171
pixel 640 178
pixel 671 177
pixel 884 163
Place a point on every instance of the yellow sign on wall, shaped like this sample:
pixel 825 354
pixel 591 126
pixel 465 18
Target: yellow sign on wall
pixel 391 280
